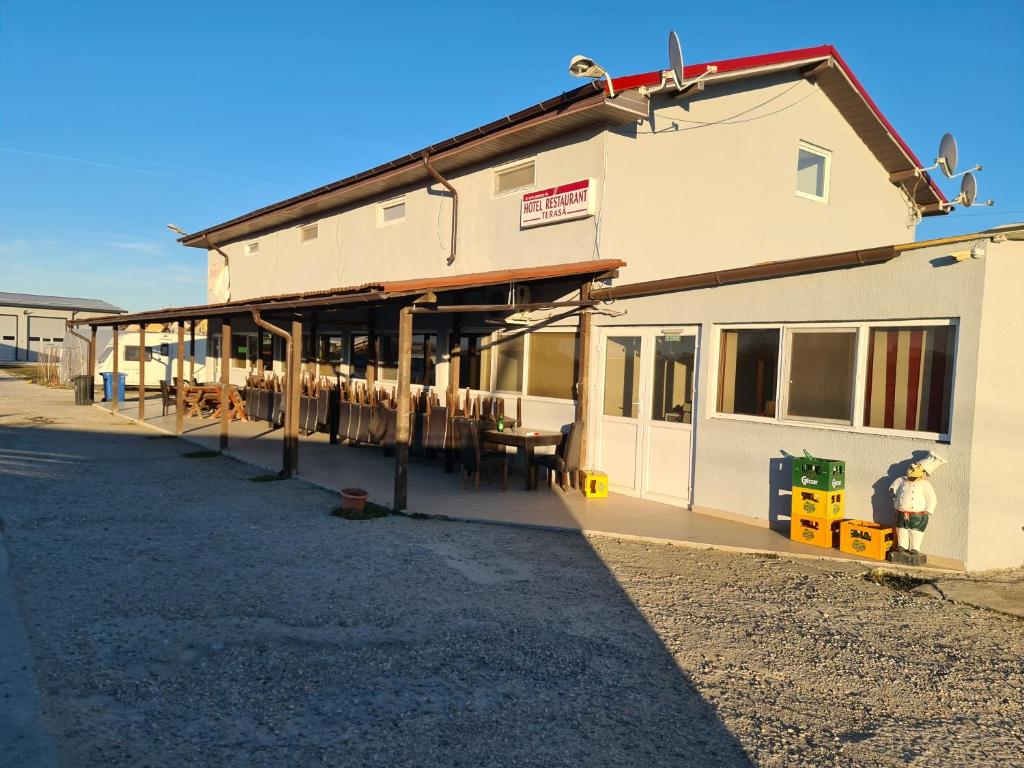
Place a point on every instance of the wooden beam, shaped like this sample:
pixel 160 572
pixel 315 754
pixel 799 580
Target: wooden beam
pixel 91 370
pixel 294 393
pixel 192 350
pixel 225 379
pixel 450 308
pixel 179 391
pixel 901 176
pixel 401 500
pixel 454 376
pixel 114 394
pixel 583 382
pixel 142 372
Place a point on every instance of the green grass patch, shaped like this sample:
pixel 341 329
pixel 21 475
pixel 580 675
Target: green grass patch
pixel 268 478
pixel 201 454
pixel 901 582
pixel 368 512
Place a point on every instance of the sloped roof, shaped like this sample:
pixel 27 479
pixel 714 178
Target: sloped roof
pixel 592 104
pixel 56 302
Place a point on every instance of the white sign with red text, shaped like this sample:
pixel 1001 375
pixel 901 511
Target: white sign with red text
pixel 562 203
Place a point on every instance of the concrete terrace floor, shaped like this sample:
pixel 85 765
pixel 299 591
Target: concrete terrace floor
pixel 432 492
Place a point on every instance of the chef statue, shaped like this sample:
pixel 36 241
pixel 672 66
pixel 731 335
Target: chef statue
pixel 914 500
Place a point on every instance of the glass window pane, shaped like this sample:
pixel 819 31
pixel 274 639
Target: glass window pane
pixel 474 362
pixel 821 375
pixel 622 376
pixel 358 356
pixel 387 366
pixel 424 358
pixel 673 379
pixel 909 378
pixel 242 345
pixel 131 354
pixel 748 362
pixel 810 173
pixel 554 365
pixel 508 364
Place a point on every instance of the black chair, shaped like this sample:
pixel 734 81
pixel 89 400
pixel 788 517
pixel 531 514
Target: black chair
pixel 566 458
pixel 166 396
pixel 475 461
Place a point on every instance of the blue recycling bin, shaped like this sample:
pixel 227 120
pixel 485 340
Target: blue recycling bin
pixel 108 386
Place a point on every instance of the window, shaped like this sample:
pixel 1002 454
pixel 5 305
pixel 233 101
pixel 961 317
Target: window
pixel 252 248
pixel 58 339
pixel 513 177
pixel 909 378
pixel 424 358
pixel 508 363
pixel 359 352
pixel 243 350
pixel 673 378
pixel 812 169
pixel 554 365
pixel 747 372
pixel 622 376
pixel 475 362
pixel 165 350
pixel 131 354
pixel 390 212
pixel 820 369
pixel 309 232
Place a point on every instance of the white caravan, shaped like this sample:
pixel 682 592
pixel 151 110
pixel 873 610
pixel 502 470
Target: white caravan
pixel 161 358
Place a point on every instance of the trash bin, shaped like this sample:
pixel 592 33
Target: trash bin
pixel 83 389
pixel 108 386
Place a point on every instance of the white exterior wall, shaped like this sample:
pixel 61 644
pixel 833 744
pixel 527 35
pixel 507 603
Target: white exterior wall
pixel 996 530
pixel 57 318
pixel 675 186
pixel 738 464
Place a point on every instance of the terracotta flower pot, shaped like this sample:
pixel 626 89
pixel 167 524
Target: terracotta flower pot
pixel 353 499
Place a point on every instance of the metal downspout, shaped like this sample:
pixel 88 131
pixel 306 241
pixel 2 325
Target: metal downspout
pixel 455 202
pixel 287 459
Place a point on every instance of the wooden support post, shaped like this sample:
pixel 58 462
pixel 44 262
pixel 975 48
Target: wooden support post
pixel 179 391
pixel 91 370
pixel 225 380
pixel 294 394
pixel 583 380
pixel 142 372
pixel 372 350
pixel 114 394
pixel 192 351
pixel 402 431
pixel 454 369
pixel 259 353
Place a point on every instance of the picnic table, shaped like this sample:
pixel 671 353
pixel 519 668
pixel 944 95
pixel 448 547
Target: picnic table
pixel 526 440
pixel 208 396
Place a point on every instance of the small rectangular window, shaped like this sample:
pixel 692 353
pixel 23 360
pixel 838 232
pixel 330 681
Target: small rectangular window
pixel 514 177
pixel 131 354
pixel 554 365
pixel 748 362
pixel 820 365
pixel 812 170
pixel 252 248
pixel 309 233
pixel 391 212
pixel 508 364
pixel 909 378
pixel 165 350
pixel 8 338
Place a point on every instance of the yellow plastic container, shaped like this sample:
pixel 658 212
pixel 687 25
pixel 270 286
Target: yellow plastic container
pixel 860 537
pixel 595 484
pixel 818 531
pixel 827 505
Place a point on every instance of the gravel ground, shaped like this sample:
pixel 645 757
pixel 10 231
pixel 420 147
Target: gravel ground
pixel 181 615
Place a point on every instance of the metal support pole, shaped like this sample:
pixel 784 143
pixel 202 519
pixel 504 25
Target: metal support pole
pixel 225 379
pixel 402 431
pixel 179 390
pixel 114 393
pixel 142 372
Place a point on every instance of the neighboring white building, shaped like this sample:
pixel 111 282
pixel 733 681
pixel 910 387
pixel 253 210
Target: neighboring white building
pixel 29 322
pixel 752 243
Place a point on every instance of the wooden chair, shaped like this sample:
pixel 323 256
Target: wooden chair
pixel 565 460
pixel 475 461
pixel 167 397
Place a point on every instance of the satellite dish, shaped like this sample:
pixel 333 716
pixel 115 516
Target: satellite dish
pixel 947 155
pixel 222 285
pixel 968 190
pixel 675 57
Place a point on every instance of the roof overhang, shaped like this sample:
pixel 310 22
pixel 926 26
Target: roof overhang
pixel 368 294
pixel 576 110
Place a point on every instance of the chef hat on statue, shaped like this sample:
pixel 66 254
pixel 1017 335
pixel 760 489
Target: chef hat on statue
pixel 930 464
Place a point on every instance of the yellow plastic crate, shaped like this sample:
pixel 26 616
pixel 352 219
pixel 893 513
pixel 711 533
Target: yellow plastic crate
pixel 595 484
pixel 818 531
pixel 860 537
pixel 827 505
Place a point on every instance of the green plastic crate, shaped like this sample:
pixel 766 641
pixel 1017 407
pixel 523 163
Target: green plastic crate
pixel 818 474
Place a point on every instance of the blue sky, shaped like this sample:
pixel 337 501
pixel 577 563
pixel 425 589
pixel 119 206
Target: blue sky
pixel 119 117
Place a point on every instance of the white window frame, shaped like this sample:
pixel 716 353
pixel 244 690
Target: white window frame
pixel 512 166
pixel 522 391
pixel 252 248
pixel 392 203
pixel 863 328
pixel 826 154
pixel 786 348
pixel 313 227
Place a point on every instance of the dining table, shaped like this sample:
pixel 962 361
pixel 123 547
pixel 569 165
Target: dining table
pixel 526 440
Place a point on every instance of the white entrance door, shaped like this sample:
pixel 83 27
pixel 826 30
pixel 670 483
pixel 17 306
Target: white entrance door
pixel 646 438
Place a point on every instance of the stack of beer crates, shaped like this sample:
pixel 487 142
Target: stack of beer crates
pixel 819 503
